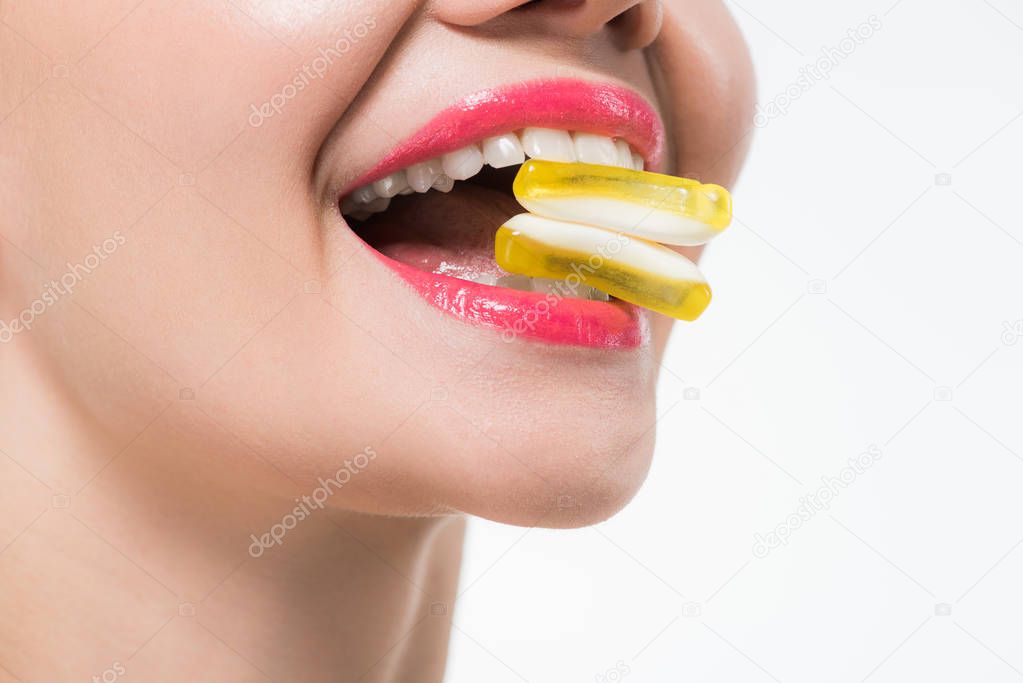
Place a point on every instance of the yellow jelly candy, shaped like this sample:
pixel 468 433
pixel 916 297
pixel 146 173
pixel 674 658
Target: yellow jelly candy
pixel 632 269
pixel 656 207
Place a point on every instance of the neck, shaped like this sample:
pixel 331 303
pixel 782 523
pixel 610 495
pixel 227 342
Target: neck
pixel 138 561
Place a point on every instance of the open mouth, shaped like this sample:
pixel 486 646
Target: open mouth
pixel 440 215
pixel 433 219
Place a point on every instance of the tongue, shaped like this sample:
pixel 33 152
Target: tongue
pixel 451 234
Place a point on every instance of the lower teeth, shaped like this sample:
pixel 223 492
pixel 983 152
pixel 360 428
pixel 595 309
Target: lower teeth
pixel 519 282
pixel 558 288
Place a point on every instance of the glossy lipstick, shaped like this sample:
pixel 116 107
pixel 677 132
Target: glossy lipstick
pixel 565 104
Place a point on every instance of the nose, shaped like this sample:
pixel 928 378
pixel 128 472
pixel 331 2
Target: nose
pixel 632 24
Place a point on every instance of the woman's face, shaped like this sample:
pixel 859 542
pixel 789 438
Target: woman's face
pixel 174 261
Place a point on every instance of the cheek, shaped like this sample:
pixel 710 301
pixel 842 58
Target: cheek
pixel 219 216
pixel 312 388
pixel 702 58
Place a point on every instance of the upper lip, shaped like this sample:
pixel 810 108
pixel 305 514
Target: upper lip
pixel 566 104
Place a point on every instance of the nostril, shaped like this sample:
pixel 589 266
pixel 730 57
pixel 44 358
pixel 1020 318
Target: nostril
pixel 552 4
pixel 638 26
pixel 633 23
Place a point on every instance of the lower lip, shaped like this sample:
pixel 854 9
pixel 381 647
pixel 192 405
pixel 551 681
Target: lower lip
pixel 529 315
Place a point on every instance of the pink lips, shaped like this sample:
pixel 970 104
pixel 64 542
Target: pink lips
pixel 530 315
pixel 565 104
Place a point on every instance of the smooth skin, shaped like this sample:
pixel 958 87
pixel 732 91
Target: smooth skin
pixel 223 343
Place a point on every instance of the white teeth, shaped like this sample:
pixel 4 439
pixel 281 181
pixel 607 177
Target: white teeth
pixel 421 176
pixel 519 282
pixel 595 149
pixel 485 279
pixel 364 195
pixel 499 151
pixel 503 150
pixel 548 144
pixel 464 163
pixel 443 183
pixel 546 286
pixel 623 153
pixel 391 185
pixel 561 288
pixel 361 211
pixel 557 288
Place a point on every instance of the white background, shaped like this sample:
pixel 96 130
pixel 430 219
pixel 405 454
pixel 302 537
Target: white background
pixel 857 302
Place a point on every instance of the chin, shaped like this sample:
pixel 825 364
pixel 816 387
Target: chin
pixel 581 473
pixel 565 447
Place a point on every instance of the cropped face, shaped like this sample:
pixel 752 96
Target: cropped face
pixel 201 246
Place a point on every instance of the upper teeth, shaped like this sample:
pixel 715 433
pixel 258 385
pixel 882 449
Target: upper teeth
pixel 508 149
